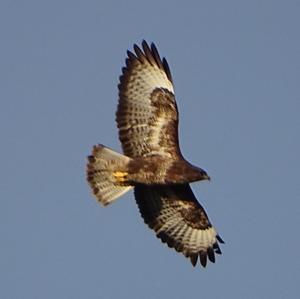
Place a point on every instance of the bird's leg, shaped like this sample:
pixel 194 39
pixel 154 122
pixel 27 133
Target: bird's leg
pixel 120 177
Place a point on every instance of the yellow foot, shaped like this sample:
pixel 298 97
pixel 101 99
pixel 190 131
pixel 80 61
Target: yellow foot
pixel 120 176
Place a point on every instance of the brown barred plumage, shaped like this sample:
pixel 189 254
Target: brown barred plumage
pixel 152 164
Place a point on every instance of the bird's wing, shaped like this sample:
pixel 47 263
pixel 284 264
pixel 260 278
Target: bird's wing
pixel 147 115
pixel 179 220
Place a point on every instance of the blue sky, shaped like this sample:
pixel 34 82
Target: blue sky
pixel 236 68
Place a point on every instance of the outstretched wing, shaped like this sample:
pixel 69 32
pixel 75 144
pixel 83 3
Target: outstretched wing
pixel 179 220
pixel 147 115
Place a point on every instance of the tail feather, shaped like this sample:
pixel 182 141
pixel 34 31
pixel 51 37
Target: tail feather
pixel 100 174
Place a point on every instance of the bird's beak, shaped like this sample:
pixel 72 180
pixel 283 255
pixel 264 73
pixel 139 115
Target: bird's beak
pixel 207 177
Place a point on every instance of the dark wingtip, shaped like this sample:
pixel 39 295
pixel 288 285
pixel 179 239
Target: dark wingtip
pixel 211 254
pixel 220 239
pixel 145 44
pixel 91 159
pixel 130 54
pixel 151 53
pixel 194 259
pixel 217 248
pixel 203 258
pixel 153 48
pixel 167 69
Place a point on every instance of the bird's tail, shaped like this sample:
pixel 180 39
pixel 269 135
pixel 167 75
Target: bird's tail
pixel 101 174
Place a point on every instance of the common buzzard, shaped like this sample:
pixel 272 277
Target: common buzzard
pixel 152 164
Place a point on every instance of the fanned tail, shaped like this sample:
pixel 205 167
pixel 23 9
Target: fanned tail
pixel 100 174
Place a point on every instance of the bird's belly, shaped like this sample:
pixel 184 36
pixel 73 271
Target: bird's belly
pixel 158 170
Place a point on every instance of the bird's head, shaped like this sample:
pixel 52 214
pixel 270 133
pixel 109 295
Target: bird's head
pixel 204 175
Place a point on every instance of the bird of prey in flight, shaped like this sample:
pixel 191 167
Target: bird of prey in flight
pixel 152 163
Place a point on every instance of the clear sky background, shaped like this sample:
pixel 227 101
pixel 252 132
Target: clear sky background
pixel 236 67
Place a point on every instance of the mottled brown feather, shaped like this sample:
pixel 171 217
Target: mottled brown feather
pixel 147 119
pixel 147 114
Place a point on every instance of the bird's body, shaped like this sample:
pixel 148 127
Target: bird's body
pixel 155 170
pixel 145 170
pixel 152 164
